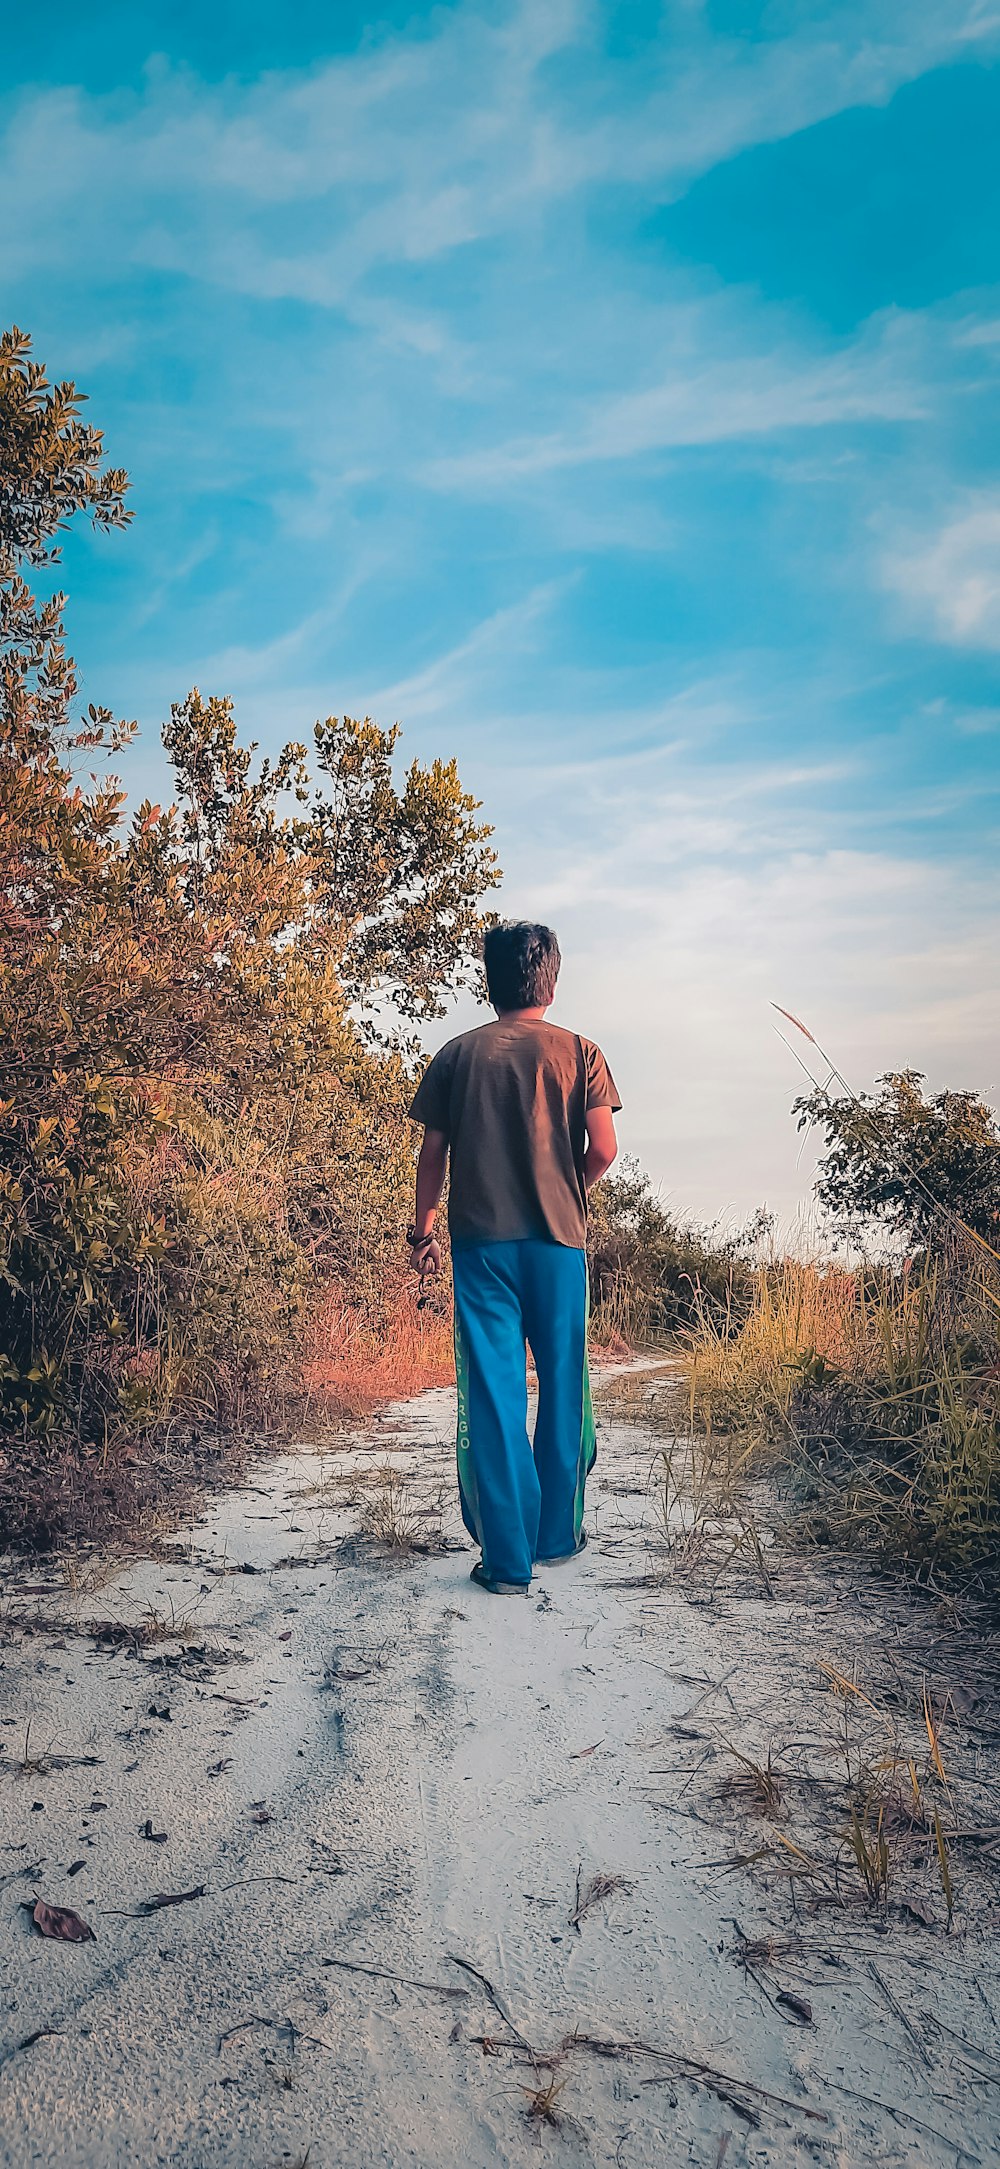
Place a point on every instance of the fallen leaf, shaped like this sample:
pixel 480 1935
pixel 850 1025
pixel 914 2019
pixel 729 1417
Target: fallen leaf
pixel 75 1866
pixel 287 1636
pixel 61 1923
pixel 156 1837
pixel 579 1752
pixel 917 1911
pixel 161 1898
pixel 799 2004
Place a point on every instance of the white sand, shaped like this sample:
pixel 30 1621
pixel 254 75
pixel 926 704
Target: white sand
pixel 494 1753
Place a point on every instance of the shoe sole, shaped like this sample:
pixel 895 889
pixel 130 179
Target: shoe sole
pixel 563 1558
pixel 498 1589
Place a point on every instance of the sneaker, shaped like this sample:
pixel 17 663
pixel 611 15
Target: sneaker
pixel 496 1589
pixel 562 1558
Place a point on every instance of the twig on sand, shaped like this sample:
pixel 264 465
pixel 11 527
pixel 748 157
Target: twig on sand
pixel 745 1952
pixel 898 2011
pixel 241 2027
pixel 714 1687
pixel 600 1886
pixel 542 2103
pixel 41 2033
pixel 906 2116
pixel 496 2000
pixel 574 1918
pixel 739 2094
pixel 274 1877
pixel 402 1980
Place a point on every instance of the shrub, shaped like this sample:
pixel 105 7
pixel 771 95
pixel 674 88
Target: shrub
pixel 878 1392
pixel 924 1167
pixel 651 1274
pixel 201 1125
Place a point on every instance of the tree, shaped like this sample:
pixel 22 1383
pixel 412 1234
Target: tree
pixel 651 1273
pixel 916 1165
pixel 194 1127
pixel 50 470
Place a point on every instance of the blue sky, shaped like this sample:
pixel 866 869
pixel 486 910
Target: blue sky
pixel 608 394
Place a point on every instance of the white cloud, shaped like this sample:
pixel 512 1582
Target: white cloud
pixel 416 145
pixel 709 401
pixel 950 583
pixel 706 904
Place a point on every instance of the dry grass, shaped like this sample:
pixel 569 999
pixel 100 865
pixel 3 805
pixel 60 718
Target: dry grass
pixel 354 1364
pixel 541 2102
pixel 599 1887
pixel 389 1516
pixel 878 1390
pixel 757 1784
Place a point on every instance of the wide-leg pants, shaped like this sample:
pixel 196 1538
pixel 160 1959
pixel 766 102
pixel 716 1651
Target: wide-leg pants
pixel 522 1501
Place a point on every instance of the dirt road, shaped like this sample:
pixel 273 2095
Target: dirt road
pixel 378 1801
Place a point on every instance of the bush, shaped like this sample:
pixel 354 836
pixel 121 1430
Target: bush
pixel 651 1274
pixel 924 1167
pixel 198 1137
pixel 878 1392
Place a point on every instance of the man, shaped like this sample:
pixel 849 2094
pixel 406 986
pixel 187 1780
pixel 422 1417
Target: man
pixel 526 1112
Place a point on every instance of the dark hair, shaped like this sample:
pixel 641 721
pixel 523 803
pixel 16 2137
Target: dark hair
pixel 522 964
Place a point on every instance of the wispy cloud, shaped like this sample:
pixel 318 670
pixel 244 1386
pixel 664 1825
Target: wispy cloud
pixel 702 402
pixel 413 147
pixel 950 581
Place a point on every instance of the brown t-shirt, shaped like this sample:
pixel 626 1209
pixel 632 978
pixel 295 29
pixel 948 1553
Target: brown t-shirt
pixel 512 1100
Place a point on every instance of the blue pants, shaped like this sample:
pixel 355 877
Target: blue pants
pixel 522 1502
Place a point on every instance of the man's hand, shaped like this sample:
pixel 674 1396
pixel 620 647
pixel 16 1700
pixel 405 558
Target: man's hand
pixel 425 1250
pixel 425 1259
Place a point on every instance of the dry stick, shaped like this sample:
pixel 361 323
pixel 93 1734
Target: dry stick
pixel 600 1886
pixel 743 1956
pixel 403 1980
pixel 28 2042
pixel 963 2042
pixel 156 1903
pixel 905 2115
pixel 714 1687
pixel 692 1774
pixel 691 2067
pixel 495 1999
pixel 721 2083
pixel 275 1877
pixel 897 2008
pixel 240 2027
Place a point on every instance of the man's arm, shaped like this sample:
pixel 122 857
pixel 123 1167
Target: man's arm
pixel 425 1256
pixel 602 1144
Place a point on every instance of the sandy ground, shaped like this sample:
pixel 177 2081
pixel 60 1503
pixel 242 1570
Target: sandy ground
pixel 359 1770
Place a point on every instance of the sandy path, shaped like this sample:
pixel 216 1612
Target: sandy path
pixel 485 1760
